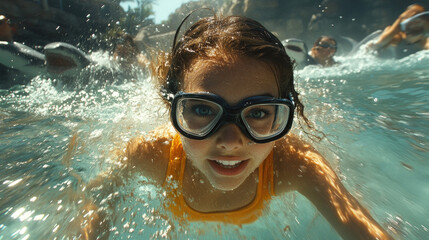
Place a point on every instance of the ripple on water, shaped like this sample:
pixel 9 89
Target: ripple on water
pixel 53 140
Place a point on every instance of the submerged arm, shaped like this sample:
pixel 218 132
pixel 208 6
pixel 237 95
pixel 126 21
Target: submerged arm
pixel 312 176
pixel 144 154
pixel 324 189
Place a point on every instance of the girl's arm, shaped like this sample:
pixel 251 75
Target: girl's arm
pixel 310 174
pixel 147 155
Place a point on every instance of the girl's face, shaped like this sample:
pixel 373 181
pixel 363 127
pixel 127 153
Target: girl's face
pixel 228 157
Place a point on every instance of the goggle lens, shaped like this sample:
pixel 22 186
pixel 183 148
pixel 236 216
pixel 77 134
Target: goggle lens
pixel 197 118
pixel 326 45
pixel 265 120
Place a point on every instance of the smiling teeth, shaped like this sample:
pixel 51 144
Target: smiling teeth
pixel 228 164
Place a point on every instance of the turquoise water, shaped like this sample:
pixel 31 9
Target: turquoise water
pixel 54 139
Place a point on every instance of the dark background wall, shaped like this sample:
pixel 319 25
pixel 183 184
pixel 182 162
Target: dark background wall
pixel 82 22
pixel 308 19
pixel 303 19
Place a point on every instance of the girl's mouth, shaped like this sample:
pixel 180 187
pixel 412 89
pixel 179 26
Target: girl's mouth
pixel 229 168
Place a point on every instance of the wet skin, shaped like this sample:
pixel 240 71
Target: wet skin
pixel 323 55
pixel 252 78
pixel 208 186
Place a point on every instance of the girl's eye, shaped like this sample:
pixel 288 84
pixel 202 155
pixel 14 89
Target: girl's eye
pixel 257 114
pixel 202 110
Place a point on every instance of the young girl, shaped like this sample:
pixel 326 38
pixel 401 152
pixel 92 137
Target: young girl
pixel 229 85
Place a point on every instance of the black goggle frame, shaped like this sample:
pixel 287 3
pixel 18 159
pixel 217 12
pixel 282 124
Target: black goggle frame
pixel 231 114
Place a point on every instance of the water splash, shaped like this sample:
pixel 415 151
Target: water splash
pixel 55 138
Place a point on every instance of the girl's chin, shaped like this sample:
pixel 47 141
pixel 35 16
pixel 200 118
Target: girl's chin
pixel 226 184
pixel 226 188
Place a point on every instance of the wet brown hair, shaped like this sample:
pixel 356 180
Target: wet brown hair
pixel 215 38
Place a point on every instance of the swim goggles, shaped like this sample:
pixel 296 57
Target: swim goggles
pixel 403 24
pixel 326 45
pixel 261 118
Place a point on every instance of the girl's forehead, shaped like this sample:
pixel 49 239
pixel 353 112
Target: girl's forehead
pixel 233 80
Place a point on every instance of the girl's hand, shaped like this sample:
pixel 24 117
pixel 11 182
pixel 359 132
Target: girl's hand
pixel 96 226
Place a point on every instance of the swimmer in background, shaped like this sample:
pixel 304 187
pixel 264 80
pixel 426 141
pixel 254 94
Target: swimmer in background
pixel 127 53
pixel 6 29
pixel 414 32
pixel 323 51
pixel 229 85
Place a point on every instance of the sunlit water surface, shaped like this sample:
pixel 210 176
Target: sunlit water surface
pixel 54 139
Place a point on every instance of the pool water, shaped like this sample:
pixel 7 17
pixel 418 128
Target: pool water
pixel 55 139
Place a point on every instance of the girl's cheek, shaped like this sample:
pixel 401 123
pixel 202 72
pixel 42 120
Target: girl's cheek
pixel 194 147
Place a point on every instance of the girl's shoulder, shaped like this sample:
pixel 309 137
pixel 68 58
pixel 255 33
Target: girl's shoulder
pixel 150 153
pixel 295 162
pixel 294 148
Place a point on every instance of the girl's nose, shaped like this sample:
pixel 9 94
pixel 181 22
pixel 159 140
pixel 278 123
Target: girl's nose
pixel 229 137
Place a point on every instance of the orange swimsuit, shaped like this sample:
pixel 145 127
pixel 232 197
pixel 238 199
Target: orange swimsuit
pixel 246 214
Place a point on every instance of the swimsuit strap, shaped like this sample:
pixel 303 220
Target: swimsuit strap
pixel 177 204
